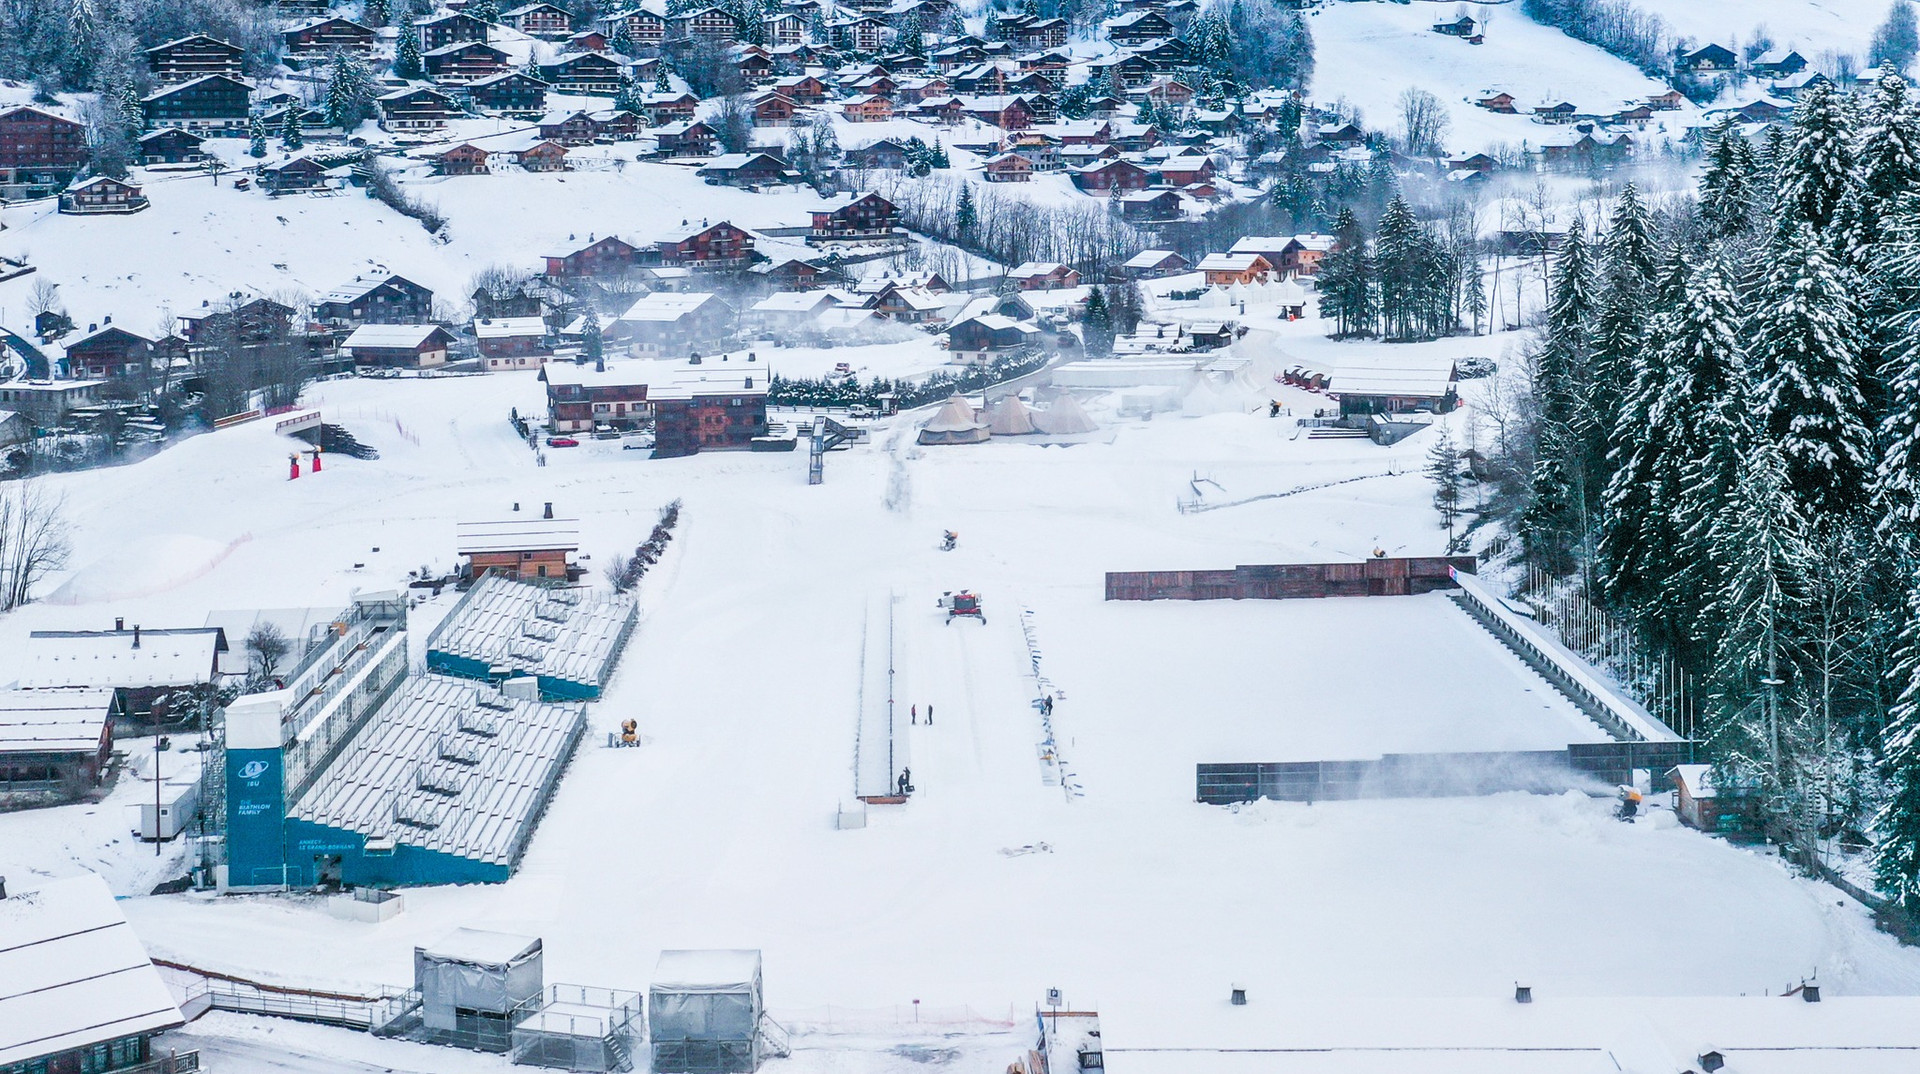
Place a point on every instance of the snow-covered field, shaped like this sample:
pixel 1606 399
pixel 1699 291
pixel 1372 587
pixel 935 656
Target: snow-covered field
pixel 990 886
pixel 1370 53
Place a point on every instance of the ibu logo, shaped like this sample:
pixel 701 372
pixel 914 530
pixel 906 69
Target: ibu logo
pixel 253 770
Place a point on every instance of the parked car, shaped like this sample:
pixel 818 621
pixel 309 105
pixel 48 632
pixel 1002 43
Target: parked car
pixel 562 441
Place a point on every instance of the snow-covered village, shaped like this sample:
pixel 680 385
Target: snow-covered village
pixel 922 536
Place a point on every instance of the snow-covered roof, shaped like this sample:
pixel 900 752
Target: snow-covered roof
pixel 67 720
pixel 392 336
pixel 1035 268
pixel 179 656
pixel 509 327
pixel 581 374
pixel 436 769
pixel 480 946
pixel 793 302
pixel 72 972
pixel 518 535
pixel 954 416
pixel 1065 417
pixel 1696 780
pixel 1146 259
pixel 1392 371
pixel 706 970
pixel 1228 262
pixel 667 305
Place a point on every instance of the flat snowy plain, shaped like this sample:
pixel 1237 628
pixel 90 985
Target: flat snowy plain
pixel 743 676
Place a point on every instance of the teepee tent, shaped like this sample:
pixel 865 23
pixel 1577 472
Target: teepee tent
pixel 954 424
pixel 1064 418
pixel 1010 417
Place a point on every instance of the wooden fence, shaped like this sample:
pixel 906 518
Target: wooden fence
pixel 1379 577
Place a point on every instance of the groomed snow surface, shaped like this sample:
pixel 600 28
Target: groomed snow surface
pixel 989 886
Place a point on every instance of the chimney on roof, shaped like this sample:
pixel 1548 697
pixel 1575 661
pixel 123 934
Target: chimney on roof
pixel 91 327
pixel 3 887
pixel 1522 994
pixel 136 635
pixel 548 513
pixel 108 319
pixel 1810 993
pixel 119 624
pixel 1238 997
pixel 516 505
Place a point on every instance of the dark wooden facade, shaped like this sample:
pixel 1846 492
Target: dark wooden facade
pixel 1376 577
pixel 869 216
pixel 606 258
pixel 188 58
pixel 709 419
pixel 39 152
pixel 214 104
pixel 379 300
pixel 515 93
pixel 719 246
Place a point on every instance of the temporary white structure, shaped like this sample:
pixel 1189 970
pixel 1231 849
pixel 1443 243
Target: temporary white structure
pixel 704 1011
pixel 954 424
pixel 1008 416
pixel 1064 418
pixel 473 982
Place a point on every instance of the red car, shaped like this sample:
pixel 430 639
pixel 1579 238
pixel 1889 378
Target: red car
pixel 562 441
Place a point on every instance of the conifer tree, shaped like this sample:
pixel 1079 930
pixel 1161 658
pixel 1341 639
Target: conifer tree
pixel 965 216
pixel 1897 862
pixel 349 92
pixel 1805 352
pixel 291 136
pixel 1727 185
pixel 1097 325
pixel 622 39
pixel 592 349
pixel 1345 280
pixel 376 13
pixel 407 62
pixel 487 11
pixel 1560 486
pixel 1627 265
pixel 1889 157
pixel 256 138
pixel 1397 266
pixel 1896 484
pixel 1818 164
pixel 664 83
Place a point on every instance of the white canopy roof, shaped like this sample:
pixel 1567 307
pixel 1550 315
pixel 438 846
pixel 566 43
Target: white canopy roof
pixel 1064 418
pixel 955 416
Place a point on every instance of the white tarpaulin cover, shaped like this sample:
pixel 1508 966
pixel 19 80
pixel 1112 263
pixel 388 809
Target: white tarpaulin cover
pixel 1008 416
pixel 1064 418
pixel 475 970
pixel 703 1011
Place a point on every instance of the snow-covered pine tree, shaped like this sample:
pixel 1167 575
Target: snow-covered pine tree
pixel 376 13
pixel 485 10
pixel 1804 352
pixel 1819 160
pixel 1345 280
pixel 1897 861
pixel 965 215
pixel 664 83
pixel 349 92
pixel 622 39
pixel 291 136
pixel 1398 266
pixel 1889 159
pixel 1096 325
pixel 591 347
pixel 1628 261
pixel 1443 469
pixel 1560 484
pixel 1760 551
pixel 1727 185
pixel 256 138
pixel 1896 484
pixel 1639 529
pixel 407 62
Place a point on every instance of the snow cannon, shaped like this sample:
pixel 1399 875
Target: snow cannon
pixel 293 461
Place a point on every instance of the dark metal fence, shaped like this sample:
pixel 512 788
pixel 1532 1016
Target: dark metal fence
pixel 1440 775
pixel 1378 577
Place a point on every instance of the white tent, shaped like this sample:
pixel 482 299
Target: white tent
pixel 1010 417
pixel 1064 418
pixel 954 424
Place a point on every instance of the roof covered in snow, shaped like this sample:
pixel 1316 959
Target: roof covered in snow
pixel 667 305
pixel 519 535
pixel 481 947
pixel 1392 371
pixel 69 720
pixel 180 656
pixel 72 973
pixel 706 970
pixel 393 336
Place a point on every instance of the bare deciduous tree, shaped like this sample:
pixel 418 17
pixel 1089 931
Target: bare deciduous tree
pixel 267 645
pixel 1424 123
pixel 33 539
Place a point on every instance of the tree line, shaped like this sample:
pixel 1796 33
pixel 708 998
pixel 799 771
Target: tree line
pixel 1724 446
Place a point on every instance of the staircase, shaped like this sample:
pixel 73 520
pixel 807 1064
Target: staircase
pixel 1335 432
pixel 775 1042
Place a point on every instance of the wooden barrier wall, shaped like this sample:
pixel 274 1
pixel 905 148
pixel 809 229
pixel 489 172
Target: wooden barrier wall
pixel 1383 577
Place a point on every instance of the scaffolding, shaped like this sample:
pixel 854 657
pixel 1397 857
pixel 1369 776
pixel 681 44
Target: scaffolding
pixel 580 1028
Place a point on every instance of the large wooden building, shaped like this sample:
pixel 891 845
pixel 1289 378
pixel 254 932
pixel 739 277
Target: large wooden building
pixel 187 58
pixel 520 548
pixel 40 152
pixel 867 218
pixel 709 415
pixel 54 744
pixel 382 298
pixel 581 398
pixel 210 104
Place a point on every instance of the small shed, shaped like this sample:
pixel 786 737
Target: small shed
pixel 1696 800
pixel 703 1012
pixel 473 983
pixel 954 424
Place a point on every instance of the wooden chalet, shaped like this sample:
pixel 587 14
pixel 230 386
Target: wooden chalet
pixel 1461 26
pixel 983 338
pixel 502 338
pixel 211 104
pixel 1008 168
pixel 1223 270
pixel 1154 264
pixel 785 28
pixel 109 353
pixel 513 93
pixel 1037 33
pixel 691 139
pixel 713 246
pixel 772 110
pixel 590 73
pixel 187 58
pixel 1007 113
pixel 439 31
pixel 664 108
pixel 706 24
pixel 40 152
pixel 871 108
pixel 1144 206
pixel 792 274
pixel 1709 59
pixel 1502 102
pixel 296 176
pixel 1109 175
pixel 1136 28
pixel 462 159
pixel 102 195
pixel 519 548
pixel 668 322
pixel 689 419
pixel 542 20
pixel 864 33
pixel 1043 276
pixel 607 258
pixel 884 155
pixel 413 110
pixel 172 145
pixel 397 346
pixel 379 298
pixel 644 28
pixel 464 61
pixel 323 37
pixel 754 65
pixel 543 157
pixel 802 89
pixel 746 170
pixel 867 218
